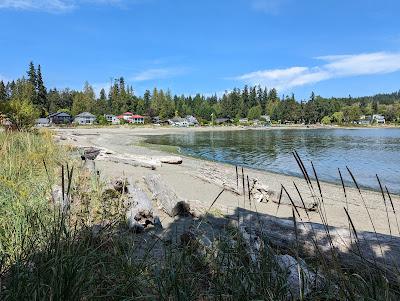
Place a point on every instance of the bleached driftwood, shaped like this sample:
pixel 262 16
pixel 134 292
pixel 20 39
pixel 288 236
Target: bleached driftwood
pixel 313 239
pixel 166 197
pixel 170 159
pixel 259 192
pixel 140 211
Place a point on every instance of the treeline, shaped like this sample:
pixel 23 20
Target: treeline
pixel 30 95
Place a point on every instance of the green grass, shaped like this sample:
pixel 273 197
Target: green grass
pixel 89 254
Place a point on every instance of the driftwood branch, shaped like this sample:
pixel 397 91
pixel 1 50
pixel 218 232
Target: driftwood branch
pixel 166 197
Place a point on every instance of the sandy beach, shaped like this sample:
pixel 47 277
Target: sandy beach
pixel 182 178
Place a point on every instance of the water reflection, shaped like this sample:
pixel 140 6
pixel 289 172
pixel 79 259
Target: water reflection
pixel 365 151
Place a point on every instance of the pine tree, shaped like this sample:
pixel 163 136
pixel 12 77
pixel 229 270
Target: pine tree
pixel 32 78
pixel 3 92
pixel 41 91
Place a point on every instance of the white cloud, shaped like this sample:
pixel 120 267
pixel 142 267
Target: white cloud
pixel 336 66
pixel 58 6
pixel 157 73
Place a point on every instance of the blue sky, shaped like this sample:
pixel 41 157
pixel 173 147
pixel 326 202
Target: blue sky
pixel 332 47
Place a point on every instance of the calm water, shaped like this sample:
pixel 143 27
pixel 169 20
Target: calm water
pixel 366 151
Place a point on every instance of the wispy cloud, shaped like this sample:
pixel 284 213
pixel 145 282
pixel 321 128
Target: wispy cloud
pixel 336 66
pixel 268 6
pixel 157 73
pixel 60 6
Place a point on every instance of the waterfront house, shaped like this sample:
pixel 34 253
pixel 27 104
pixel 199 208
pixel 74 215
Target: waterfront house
pixel 112 119
pixel 126 116
pixel 243 120
pixel 178 121
pixel 60 118
pixel 192 121
pixel 379 119
pixel 42 122
pixel 365 120
pixel 85 118
pixel 223 120
pixel 266 118
pixel 138 119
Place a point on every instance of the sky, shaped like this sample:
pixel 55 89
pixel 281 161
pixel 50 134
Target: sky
pixel 331 47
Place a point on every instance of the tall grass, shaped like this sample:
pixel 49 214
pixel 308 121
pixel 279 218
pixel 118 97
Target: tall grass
pixel 87 252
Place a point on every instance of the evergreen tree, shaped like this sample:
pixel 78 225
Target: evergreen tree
pixel 41 100
pixel 3 92
pixel 32 78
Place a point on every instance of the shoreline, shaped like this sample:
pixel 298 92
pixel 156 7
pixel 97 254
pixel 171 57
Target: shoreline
pixel 182 178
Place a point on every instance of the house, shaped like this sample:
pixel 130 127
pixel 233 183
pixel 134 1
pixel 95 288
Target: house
pixel 178 121
pixel 267 118
pixel 126 116
pixel 60 118
pixel 243 120
pixel 85 118
pixel 138 119
pixel 112 119
pixel 223 120
pixel 379 119
pixel 192 121
pixel 42 122
pixel 365 120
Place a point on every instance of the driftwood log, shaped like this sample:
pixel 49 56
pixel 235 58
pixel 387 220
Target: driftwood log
pixel 259 192
pixel 166 197
pixel 331 243
pixel 140 211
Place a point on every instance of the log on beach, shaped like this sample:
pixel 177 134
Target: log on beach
pixel 259 192
pixel 140 211
pixel 315 239
pixel 166 197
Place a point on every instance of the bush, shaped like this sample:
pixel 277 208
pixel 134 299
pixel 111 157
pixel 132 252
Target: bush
pixel 22 113
pixel 326 120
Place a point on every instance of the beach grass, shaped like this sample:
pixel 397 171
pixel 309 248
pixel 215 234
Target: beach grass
pixel 87 253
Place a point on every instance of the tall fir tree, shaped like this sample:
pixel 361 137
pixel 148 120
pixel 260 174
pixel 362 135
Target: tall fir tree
pixel 3 91
pixel 41 100
pixel 32 78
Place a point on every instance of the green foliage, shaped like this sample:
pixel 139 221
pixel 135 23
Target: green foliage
pixel 326 120
pixel 338 117
pixel 22 113
pixel 254 112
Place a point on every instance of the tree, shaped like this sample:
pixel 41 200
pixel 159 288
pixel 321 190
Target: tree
pixel 41 100
pixel 338 117
pixel 22 113
pixel 32 74
pixel 3 92
pixel 326 120
pixel 254 112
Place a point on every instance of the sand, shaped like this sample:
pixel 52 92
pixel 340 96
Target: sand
pixel 181 177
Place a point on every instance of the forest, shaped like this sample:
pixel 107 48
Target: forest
pixel 29 98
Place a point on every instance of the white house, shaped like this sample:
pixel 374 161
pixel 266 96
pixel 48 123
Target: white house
pixel 178 121
pixel 139 119
pixel 42 122
pixel 380 119
pixel 191 120
pixel 112 119
pixel 85 118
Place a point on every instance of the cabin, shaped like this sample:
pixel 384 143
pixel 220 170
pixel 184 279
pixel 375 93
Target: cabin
pixel 42 122
pixel 112 119
pixel 192 121
pixel 60 118
pixel 243 120
pixel 85 118
pixel 379 119
pixel 178 121
pixel 266 118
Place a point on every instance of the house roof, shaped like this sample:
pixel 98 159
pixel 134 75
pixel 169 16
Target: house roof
pixel 137 116
pixel 86 114
pixel 127 113
pixel 59 114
